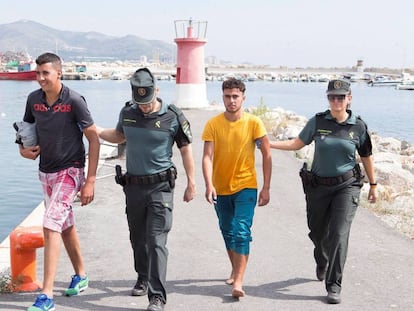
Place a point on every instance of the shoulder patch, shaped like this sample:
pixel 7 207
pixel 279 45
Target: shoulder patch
pixel 182 120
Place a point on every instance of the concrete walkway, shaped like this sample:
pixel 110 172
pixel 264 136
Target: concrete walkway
pixel 379 273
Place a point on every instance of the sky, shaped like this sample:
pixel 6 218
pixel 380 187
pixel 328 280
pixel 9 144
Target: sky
pixel 293 33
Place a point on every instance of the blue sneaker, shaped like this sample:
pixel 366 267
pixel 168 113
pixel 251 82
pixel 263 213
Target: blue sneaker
pixel 78 284
pixel 42 303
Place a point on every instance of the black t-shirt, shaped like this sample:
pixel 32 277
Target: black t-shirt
pixel 59 128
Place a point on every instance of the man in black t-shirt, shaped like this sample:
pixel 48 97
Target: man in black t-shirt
pixel 62 118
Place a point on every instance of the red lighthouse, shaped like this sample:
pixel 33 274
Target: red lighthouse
pixel 190 76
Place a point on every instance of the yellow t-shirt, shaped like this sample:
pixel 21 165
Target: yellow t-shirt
pixel 234 151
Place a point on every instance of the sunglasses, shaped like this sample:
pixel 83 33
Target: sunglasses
pixel 337 97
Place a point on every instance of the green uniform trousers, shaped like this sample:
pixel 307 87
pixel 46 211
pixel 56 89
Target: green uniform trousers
pixel 149 212
pixel 330 211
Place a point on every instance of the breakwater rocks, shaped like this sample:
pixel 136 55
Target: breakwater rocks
pixel 393 162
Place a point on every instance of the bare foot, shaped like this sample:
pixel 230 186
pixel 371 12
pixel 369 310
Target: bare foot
pixel 230 280
pixel 237 292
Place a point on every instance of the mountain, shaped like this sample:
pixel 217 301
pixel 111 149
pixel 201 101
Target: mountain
pixel 35 39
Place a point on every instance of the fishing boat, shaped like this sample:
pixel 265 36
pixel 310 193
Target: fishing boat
pixel 17 71
pixel 18 75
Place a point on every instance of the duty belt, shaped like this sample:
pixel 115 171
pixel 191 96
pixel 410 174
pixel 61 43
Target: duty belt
pixel 169 174
pixel 333 181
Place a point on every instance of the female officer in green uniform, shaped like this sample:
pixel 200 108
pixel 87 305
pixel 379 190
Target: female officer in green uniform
pixel 333 185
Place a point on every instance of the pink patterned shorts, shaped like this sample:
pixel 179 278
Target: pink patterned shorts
pixel 60 190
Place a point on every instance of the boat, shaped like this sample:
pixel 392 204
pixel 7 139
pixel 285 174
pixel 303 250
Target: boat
pixel 116 75
pixel 95 76
pixel 251 77
pixel 406 86
pixel 323 78
pixel 16 71
pixel 407 83
pixel 358 77
pixel 383 80
pixel 19 75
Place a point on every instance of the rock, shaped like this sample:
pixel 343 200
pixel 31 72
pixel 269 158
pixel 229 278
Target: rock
pixel 405 145
pixel 387 144
pixel 409 151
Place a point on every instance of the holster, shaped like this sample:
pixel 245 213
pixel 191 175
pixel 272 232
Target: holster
pixel 358 173
pixel 119 177
pixel 173 177
pixel 307 177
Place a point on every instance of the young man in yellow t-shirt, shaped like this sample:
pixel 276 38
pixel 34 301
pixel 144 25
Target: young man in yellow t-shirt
pixel 229 172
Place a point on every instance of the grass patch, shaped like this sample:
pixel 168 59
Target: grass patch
pixel 6 284
pixel 264 113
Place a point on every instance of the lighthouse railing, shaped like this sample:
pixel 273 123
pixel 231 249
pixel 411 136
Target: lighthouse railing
pixel 190 29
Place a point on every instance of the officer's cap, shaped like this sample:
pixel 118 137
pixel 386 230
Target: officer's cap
pixel 143 86
pixel 338 87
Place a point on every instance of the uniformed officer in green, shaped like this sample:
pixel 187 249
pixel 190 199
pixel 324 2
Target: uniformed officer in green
pixel 150 128
pixel 333 184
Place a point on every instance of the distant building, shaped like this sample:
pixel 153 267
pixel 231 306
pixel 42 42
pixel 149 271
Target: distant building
pixel 212 60
pixel 143 59
pixel 360 66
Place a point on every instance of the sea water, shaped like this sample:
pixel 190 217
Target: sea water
pixel 388 112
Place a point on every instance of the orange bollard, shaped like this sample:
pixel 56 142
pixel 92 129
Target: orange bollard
pixel 23 244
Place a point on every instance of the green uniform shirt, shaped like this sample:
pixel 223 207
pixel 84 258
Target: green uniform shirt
pixel 336 143
pixel 150 138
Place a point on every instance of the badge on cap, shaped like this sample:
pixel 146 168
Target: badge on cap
pixel 337 84
pixel 141 91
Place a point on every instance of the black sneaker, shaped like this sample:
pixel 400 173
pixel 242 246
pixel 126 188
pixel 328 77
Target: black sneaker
pixel 156 304
pixel 140 288
pixel 333 298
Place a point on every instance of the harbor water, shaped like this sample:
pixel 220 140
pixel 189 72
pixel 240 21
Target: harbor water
pixel 388 112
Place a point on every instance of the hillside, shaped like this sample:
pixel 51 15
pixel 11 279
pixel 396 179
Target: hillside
pixel 35 39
